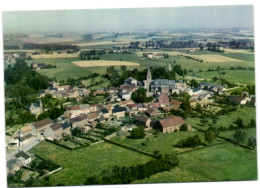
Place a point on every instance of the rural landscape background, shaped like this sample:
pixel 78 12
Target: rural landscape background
pixel 96 51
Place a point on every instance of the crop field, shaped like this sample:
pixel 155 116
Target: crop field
pixel 49 40
pixel 233 163
pixel 102 63
pixel 53 56
pixel 244 51
pixel 101 43
pixel 79 164
pixel 205 58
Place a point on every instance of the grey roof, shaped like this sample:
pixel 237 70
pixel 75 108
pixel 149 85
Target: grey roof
pixel 22 154
pixel 84 106
pixel 65 125
pixel 104 111
pixel 11 163
pixel 118 108
pixel 163 82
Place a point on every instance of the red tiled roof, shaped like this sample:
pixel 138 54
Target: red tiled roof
pixel 163 96
pixel 169 122
pixel 175 102
pixel 42 123
pixel 141 119
pixel 73 108
pixel 55 127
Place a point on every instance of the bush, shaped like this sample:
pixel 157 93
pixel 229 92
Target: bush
pixel 190 142
pixel 137 133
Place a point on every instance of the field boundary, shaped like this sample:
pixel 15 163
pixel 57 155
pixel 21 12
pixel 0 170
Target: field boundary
pixel 129 148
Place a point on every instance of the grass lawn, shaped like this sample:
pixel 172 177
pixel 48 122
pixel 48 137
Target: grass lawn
pixel 250 132
pixel 241 56
pixel 222 162
pixel 69 144
pixel 164 142
pixel 236 76
pixel 246 113
pixel 79 164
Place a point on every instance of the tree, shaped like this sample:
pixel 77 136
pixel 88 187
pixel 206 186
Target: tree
pixel 252 123
pixel 194 83
pixel 251 142
pixel 198 107
pixel 209 135
pixel 123 68
pixel 137 133
pixel 184 127
pixel 240 123
pixel 139 96
pixel 239 136
pixel 214 79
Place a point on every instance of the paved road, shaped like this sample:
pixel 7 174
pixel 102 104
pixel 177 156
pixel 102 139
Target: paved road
pixel 24 148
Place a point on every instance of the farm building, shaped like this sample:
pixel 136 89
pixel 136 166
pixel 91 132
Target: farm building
pixel 169 125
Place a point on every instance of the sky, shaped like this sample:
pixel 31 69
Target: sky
pixel 107 20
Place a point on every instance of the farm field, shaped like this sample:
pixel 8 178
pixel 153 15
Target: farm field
pixel 53 56
pixel 235 76
pixel 79 164
pixel 63 70
pixel 100 43
pixel 103 63
pixel 201 165
pixel 204 57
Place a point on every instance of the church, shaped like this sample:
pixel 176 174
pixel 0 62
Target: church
pixel 163 85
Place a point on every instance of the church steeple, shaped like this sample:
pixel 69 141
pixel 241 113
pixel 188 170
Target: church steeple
pixel 148 79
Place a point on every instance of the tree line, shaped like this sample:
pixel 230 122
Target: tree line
pixel 125 175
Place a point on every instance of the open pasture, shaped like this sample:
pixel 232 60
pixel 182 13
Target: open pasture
pixel 103 63
pixel 79 164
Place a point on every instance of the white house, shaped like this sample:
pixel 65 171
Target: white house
pixel 23 157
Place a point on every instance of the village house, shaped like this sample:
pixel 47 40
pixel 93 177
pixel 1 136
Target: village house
pixel 127 127
pixel 94 116
pixel 126 102
pixel 237 100
pixel 36 108
pixel 105 112
pixel 118 111
pixel 39 126
pixel 131 81
pixel 22 140
pixel 174 104
pixel 169 125
pixel 66 128
pixel 112 90
pixel 26 130
pixel 144 121
pixel 163 99
pixel 23 157
pixel 154 105
pixel 151 112
pixel 142 107
pixel 126 95
pixel 79 121
pixel 13 165
pixel 133 107
pixel 127 88
pixel 53 132
pixel 192 102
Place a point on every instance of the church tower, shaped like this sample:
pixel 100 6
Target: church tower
pixel 148 79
